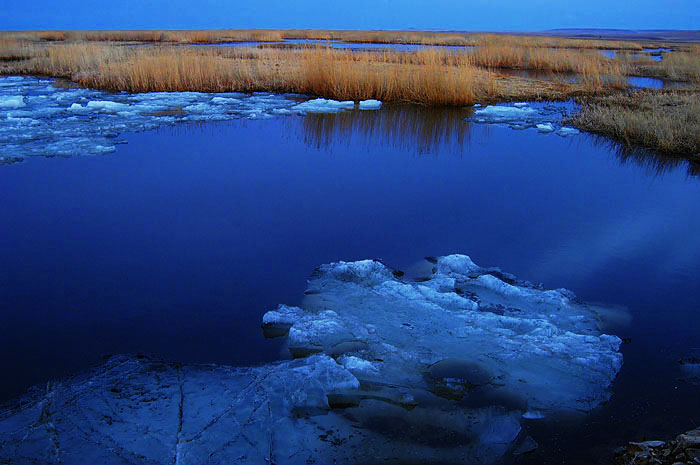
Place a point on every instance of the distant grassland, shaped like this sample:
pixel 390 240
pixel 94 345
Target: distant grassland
pixel 357 36
pixel 471 71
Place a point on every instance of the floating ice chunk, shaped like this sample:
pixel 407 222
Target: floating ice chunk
pixel 107 105
pixel 544 347
pixel 322 105
pixel 223 100
pixel 546 117
pixel 566 131
pixel 78 108
pixel 15 101
pixel 283 315
pixel 104 149
pixel 20 120
pixel 504 113
pixel 370 104
pixel 277 322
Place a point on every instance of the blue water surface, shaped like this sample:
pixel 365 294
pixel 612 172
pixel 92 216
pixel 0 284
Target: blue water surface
pixel 178 242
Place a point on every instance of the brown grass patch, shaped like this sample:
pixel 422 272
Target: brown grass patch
pixel 665 121
pixel 431 76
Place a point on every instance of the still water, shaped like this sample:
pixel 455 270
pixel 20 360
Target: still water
pixel 177 243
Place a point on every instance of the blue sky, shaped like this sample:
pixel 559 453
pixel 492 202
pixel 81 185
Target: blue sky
pixel 505 15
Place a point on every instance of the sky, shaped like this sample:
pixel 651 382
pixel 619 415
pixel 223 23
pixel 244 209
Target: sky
pixel 475 15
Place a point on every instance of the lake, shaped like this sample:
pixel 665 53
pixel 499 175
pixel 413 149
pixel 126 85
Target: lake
pixel 176 244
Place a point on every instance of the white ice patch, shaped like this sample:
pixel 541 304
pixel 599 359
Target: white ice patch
pixel 358 365
pixel 546 118
pixel 565 131
pixel 503 114
pixel 38 119
pixel 15 101
pixel 107 105
pixel 370 104
pixel 322 105
pixel 543 347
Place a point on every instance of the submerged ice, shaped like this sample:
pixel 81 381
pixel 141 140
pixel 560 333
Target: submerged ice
pixel 544 117
pixel 441 367
pixel 37 118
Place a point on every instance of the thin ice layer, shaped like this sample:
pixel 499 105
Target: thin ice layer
pixel 39 119
pixel 136 410
pixel 540 348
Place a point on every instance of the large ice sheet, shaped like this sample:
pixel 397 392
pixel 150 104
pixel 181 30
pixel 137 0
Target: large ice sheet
pixel 136 410
pixel 542 349
pixel 381 359
pixel 39 119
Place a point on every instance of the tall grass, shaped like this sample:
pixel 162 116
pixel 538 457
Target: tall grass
pixel 683 66
pixel 431 76
pixel 348 75
pixel 13 49
pixel 668 122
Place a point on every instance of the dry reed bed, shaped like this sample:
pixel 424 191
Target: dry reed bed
pixel 433 77
pixel 668 122
pixel 13 49
pixel 676 66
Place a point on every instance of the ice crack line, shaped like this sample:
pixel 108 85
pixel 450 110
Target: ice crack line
pixel 179 426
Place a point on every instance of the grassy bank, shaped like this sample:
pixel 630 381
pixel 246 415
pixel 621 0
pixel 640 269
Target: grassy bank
pixel 668 122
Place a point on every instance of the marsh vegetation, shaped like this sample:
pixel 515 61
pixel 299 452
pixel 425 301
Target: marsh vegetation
pixel 476 68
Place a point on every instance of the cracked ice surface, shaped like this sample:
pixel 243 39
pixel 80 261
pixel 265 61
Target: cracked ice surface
pixel 545 117
pixel 542 349
pixel 136 410
pixel 37 118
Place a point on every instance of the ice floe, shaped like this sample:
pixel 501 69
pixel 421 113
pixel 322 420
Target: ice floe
pixel 370 104
pixel 381 360
pixel 564 131
pixel 37 118
pixel 13 101
pixel 545 127
pixel 322 105
pixel 546 118
pixel 543 349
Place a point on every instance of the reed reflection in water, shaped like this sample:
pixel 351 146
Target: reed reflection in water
pixel 422 130
pixel 412 128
